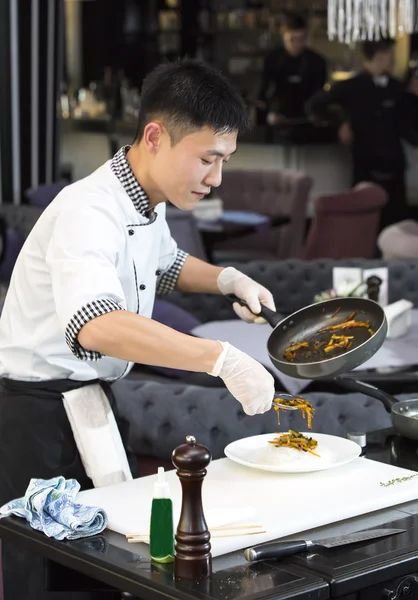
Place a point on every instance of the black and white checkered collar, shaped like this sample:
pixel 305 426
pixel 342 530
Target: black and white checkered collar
pixel 122 169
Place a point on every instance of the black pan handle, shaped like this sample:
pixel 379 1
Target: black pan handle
pixel 271 316
pixel 369 390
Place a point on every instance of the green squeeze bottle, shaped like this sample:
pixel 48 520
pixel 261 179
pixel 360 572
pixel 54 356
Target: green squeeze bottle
pixel 161 528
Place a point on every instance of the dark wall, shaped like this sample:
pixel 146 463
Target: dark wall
pixel 123 34
pixel 119 34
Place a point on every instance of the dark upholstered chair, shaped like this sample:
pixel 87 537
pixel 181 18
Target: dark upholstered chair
pixel 184 230
pixel 269 193
pixel 345 225
pixel 44 194
pixel 19 222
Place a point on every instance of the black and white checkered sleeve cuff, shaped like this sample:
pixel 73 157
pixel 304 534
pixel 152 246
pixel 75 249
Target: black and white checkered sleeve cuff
pixel 84 315
pixel 167 281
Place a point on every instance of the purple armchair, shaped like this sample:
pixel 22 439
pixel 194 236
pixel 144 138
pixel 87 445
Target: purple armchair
pixel 44 194
pixel 19 222
pixel 345 225
pixel 271 193
pixel 12 244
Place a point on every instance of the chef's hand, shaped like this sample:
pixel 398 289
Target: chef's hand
pixel 247 380
pixel 345 134
pixel 274 118
pixel 232 281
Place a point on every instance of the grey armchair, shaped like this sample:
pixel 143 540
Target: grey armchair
pixel 271 193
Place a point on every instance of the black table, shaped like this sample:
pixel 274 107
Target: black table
pixel 213 232
pixel 368 571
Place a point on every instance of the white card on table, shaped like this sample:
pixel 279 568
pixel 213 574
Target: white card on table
pixel 346 279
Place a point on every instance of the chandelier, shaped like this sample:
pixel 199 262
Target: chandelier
pixel 357 20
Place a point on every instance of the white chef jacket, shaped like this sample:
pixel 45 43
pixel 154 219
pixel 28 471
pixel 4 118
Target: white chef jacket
pixel 96 248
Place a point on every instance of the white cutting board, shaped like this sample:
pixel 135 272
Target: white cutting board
pixel 284 504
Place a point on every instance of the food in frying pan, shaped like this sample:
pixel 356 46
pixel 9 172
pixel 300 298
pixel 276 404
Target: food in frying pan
pixel 304 406
pixel 295 440
pixel 348 325
pixel 290 352
pixel 330 341
pixel 339 341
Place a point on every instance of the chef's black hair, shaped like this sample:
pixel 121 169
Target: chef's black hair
pixel 371 47
pixel 292 21
pixel 188 95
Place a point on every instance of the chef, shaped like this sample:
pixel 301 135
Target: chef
pixel 374 112
pixel 77 314
pixel 292 74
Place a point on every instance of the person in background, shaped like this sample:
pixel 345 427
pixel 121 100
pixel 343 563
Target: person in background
pixel 292 74
pixel 374 112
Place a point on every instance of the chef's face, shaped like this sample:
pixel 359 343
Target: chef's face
pixel 294 41
pixel 185 172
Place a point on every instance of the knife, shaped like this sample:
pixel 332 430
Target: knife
pixel 290 547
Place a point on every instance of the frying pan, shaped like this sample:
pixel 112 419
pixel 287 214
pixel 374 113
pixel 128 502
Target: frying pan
pixel 304 325
pixel 404 414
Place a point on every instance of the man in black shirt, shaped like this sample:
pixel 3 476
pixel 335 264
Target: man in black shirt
pixel 374 111
pixel 292 74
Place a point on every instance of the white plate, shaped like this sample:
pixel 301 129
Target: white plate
pixel 257 453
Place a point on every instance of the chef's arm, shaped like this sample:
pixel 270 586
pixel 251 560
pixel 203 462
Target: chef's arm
pixel 198 276
pixel 131 337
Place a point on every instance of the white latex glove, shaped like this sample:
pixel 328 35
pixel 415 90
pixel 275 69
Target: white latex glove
pixel 232 281
pixel 247 380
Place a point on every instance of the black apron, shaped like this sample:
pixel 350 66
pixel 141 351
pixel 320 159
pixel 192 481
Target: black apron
pixel 36 440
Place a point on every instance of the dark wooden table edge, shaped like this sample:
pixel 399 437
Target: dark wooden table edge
pixel 348 584
pixel 58 551
pixel 65 554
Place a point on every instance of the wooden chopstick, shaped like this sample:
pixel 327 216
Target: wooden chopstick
pixel 220 528
pixel 145 538
pixel 231 527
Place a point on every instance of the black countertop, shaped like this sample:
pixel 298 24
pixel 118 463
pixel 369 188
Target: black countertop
pixel 366 571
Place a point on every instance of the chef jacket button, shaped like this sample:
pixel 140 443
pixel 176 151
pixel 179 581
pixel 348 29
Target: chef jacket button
pixel 131 232
pixel 142 286
pixel 158 273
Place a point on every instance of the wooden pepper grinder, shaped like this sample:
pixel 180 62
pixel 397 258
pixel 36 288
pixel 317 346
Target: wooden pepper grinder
pixel 373 287
pixel 193 559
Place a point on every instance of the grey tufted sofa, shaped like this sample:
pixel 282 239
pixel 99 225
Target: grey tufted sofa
pixel 294 284
pixel 161 415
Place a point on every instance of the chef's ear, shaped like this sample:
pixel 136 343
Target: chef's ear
pixel 153 134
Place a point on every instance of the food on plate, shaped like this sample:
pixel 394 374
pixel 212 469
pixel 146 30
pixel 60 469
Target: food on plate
pixel 328 341
pixel 304 406
pixel 295 440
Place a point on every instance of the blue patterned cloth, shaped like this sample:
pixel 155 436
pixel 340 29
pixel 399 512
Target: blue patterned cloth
pixel 49 506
